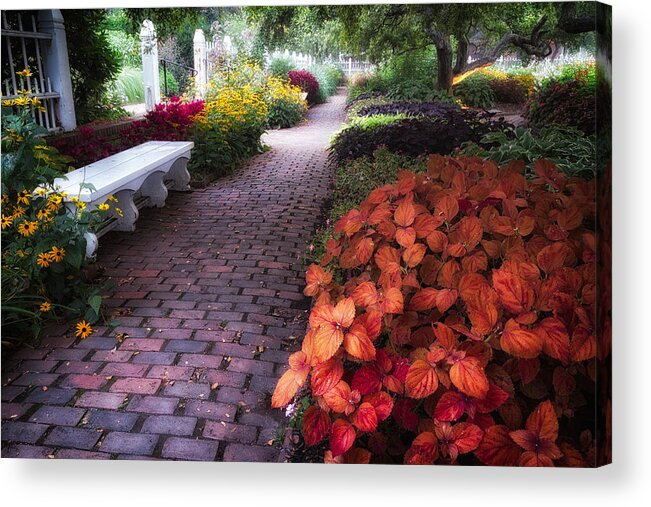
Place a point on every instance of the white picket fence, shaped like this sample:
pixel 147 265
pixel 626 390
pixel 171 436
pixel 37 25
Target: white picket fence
pixel 348 65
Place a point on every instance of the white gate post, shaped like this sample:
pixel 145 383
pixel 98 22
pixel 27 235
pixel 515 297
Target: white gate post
pixel 350 67
pixel 57 66
pixel 149 51
pixel 200 61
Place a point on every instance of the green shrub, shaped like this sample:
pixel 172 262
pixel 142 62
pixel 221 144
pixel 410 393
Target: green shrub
pixel 572 151
pixel 475 91
pixel 280 66
pixel 328 81
pixel 130 85
pixel 126 46
pixel 172 83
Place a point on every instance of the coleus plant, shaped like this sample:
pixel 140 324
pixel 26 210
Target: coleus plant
pixel 464 328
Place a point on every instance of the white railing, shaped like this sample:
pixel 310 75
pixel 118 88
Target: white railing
pixel 24 50
pixel 348 65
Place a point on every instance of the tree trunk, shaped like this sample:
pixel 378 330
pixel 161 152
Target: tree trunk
pixel 444 81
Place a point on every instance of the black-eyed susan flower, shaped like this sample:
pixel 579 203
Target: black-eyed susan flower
pixel 43 259
pixel 45 307
pixel 23 197
pixel 27 228
pixel 19 211
pixel 83 330
pixel 7 221
pixel 25 73
pixel 42 214
pixel 103 207
pixel 57 254
pixel 40 191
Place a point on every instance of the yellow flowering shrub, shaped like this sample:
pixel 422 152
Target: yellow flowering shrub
pixel 510 88
pixel 234 117
pixel 286 103
pixel 43 245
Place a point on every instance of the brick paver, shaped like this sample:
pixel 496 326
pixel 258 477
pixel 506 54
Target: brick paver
pixel 208 292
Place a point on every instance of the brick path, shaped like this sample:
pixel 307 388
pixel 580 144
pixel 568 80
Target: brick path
pixel 209 292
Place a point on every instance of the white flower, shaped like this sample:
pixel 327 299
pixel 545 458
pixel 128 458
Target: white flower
pixel 290 409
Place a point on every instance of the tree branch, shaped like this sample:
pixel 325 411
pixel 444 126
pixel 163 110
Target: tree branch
pixel 571 23
pixel 534 45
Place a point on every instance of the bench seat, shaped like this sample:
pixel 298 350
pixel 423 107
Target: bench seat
pixel 137 177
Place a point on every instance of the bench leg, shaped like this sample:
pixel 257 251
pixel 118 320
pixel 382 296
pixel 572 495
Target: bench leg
pixel 179 174
pixel 91 244
pixel 127 222
pixel 154 188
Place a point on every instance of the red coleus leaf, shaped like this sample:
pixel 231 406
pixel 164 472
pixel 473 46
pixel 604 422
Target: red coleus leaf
pixel 382 403
pixel 461 438
pixel 555 339
pixel 404 414
pixel 367 379
pixel 365 418
pixel 424 450
pixel 413 255
pixel 539 438
pixel 316 425
pixel 497 448
pixel 364 250
pixel 354 456
pixel 342 437
pixel 326 375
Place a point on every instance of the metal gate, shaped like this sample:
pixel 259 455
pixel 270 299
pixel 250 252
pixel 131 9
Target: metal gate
pixel 24 50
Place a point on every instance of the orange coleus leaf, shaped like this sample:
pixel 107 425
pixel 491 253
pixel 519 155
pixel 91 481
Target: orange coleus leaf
pixel 386 256
pixel 291 380
pixel 467 437
pixel 424 299
pixel 469 377
pixel 364 250
pixel 316 425
pixel 520 342
pixel 372 322
pixel 424 450
pixel 555 339
pixel 553 257
pixel 342 437
pixel 497 448
pixel 341 399
pixel 421 380
pixel 317 278
pixel 358 344
pixel 365 418
pixel 447 207
pixel 365 294
pixel 326 375
pixel 583 345
pixel 413 255
pixel 515 294
pixel 437 241
pixel 354 456
pixel 330 323
pixel 465 237
pixel 405 214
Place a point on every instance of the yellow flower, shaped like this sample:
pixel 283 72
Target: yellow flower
pixel 119 212
pixel 45 307
pixel 81 205
pixel 27 228
pixel 25 73
pixel 20 253
pixel 103 207
pixel 112 198
pixel 5 197
pixel 19 211
pixel 57 254
pixel 83 330
pixel 55 199
pixel 24 92
pixel 6 221
pixel 43 260
pixel 23 197
pixel 43 214
pixel 39 191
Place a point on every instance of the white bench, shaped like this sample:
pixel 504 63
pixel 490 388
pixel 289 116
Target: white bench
pixel 137 177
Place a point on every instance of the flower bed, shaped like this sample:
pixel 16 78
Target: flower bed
pixel 453 322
